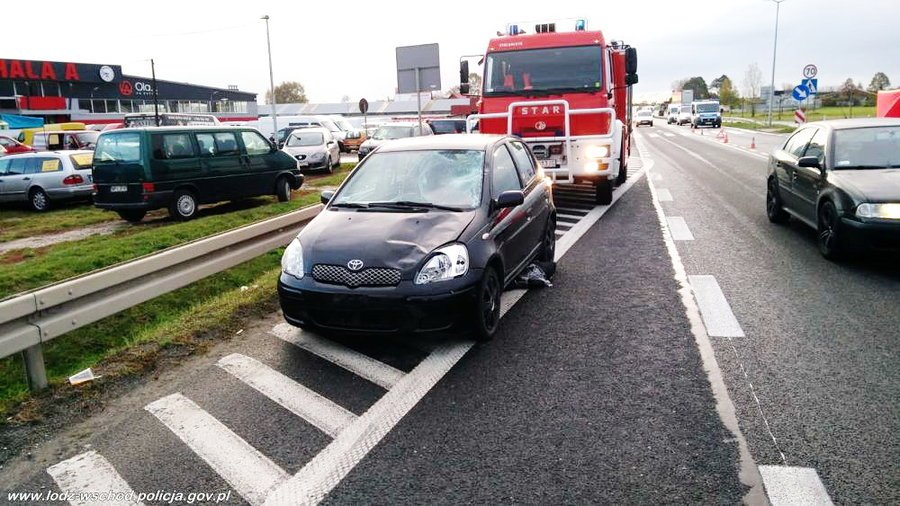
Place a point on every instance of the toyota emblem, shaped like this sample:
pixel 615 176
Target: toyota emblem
pixel 540 125
pixel 355 264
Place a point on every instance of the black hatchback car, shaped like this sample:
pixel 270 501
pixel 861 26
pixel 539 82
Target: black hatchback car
pixel 842 178
pixel 422 236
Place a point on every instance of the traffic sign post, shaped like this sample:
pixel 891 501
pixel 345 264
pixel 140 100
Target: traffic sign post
pixel 799 116
pixel 800 93
pixel 364 108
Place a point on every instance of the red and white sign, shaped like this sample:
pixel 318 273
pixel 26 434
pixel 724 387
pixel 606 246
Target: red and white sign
pixel 799 116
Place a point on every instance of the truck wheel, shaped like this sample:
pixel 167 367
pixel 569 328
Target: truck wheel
pixel 131 215
pixel 283 189
pixel 183 206
pixel 603 192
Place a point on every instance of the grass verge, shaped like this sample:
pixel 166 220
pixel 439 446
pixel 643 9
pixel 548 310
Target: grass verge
pixel 133 341
pixel 17 223
pixel 746 125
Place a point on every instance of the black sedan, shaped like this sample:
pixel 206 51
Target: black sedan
pixel 422 236
pixel 843 179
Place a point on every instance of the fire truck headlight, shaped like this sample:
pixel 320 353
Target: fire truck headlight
pixel 597 151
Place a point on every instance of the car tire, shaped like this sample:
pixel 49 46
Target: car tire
pixel 131 215
pixel 603 191
pixel 774 210
pixel 487 305
pixel 283 189
pixel 38 200
pixel 651 123
pixel 548 246
pixel 828 236
pixel 329 165
pixel 183 206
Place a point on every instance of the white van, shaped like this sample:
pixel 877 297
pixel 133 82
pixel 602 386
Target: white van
pixel 673 113
pixel 684 115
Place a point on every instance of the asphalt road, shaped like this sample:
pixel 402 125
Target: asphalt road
pixel 820 344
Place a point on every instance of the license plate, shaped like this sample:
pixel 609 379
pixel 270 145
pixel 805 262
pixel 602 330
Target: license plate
pixel 303 165
pixel 549 164
pixel 118 188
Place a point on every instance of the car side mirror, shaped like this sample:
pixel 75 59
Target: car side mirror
pixel 509 198
pixel 326 196
pixel 809 161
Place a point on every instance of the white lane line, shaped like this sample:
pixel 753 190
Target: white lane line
pixel 249 472
pixel 296 398
pixel 664 195
pixel 714 307
pixel 653 136
pixel 572 217
pixel 748 473
pixel 320 475
pixel 362 365
pixel 791 486
pixel 668 134
pixel 90 472
pixel 679 229
pixel 656 176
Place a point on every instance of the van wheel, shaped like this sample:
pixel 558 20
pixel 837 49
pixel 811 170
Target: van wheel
pixel 39 200
pixel 283 189
pixel 131 215
pixel 183 206
pixel 603 192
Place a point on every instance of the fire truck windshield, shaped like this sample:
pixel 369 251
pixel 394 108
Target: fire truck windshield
pixel 544 71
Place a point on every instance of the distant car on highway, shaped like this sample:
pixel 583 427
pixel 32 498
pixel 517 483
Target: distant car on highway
pixel 10 146
pixel 422 236
pixel 391 131
pixel 842 178
pixel 672 116
pixel 684 115
pixel 643 117
pixel 40 179
pixel 314 148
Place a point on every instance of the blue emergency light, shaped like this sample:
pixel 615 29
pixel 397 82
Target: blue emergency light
pixel 513 29
pixel 580 25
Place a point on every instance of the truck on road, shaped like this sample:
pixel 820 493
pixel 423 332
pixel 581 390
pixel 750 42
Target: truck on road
pixel 567 95
pixel 706 113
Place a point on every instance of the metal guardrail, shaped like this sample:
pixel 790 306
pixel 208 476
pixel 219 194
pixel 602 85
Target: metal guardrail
pixel 33 318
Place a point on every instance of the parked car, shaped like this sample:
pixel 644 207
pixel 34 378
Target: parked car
pixel 643 117
pixel 140 169
pixel 10 146
pixel 684 115
pixel 448 126
pixel 391 131
pixel 314 148
pixel 58 141
pixel 40 179
pixel 422 236
pixel 842 178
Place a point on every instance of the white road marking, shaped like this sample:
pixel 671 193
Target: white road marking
pixel 679 229
pixel 716 167
pixel 296 398
pixel 90 472
pixel 249 472
pixel 668 134
pixel 653 136
pixel 664 195
pixel 656 176
pixel 748 473
pixel 717 314
pixel 362 365
pixel 567 216
pixel 792 486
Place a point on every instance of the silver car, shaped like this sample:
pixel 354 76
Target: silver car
pixel 390 131
pixel 43 178
pixel 314 148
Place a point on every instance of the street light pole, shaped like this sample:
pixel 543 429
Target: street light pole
pixel 774 53
pixel 271 82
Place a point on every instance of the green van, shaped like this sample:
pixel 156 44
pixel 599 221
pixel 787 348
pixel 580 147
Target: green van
pixel 140 169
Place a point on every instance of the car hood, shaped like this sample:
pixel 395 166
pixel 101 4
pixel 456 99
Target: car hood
pixel 398 240
pixel 304 150
pixel 871 185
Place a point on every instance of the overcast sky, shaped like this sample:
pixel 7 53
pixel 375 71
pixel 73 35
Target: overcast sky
pixel 347 48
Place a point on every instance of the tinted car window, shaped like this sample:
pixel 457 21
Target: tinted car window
pixel 4 166
pixel 504 177
pixel 32 166
pixel 17 166
pixel 226 143
pixel 816 146
pixel 797 143
pixel 254 143
pixel 172 146
pixel 207 144
pixel 872 147
pixel 524 163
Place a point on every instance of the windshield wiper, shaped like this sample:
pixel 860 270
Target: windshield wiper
pixel 350 205
pixel 406 204
pixel 861 167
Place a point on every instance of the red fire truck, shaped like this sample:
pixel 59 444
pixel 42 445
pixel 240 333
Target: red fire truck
pixel 567 95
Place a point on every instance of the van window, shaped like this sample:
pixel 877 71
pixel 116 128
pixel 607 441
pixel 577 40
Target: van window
pixel 254 143
pixel 39 142
pixel 226 143
pixel 207 144
pixel 119 147
pixel 172 146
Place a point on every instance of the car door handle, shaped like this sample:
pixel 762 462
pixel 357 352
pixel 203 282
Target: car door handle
pixel 26 179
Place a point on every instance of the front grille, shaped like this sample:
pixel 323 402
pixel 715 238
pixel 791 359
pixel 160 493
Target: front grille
pixel 340 275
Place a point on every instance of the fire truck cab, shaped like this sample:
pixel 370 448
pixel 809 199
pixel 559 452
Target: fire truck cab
pixel 567 95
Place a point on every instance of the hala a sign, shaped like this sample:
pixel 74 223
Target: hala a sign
pixel 35 70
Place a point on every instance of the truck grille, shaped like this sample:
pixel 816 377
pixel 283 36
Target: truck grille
pixel 340 275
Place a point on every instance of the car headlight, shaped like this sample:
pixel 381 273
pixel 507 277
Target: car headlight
pixel 597 151
pixel 292 260
pixel 448 262
pixel 883 211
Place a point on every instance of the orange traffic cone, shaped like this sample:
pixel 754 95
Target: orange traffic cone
pixel 726 138
pixel 753 143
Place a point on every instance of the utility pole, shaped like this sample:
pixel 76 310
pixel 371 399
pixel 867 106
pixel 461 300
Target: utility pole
pixel 155 93
pixel 271 82
pixel 774 53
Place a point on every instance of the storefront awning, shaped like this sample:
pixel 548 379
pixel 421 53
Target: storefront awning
pixel 19 122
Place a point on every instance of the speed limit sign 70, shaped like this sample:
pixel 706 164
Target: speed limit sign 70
pixel 810 71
